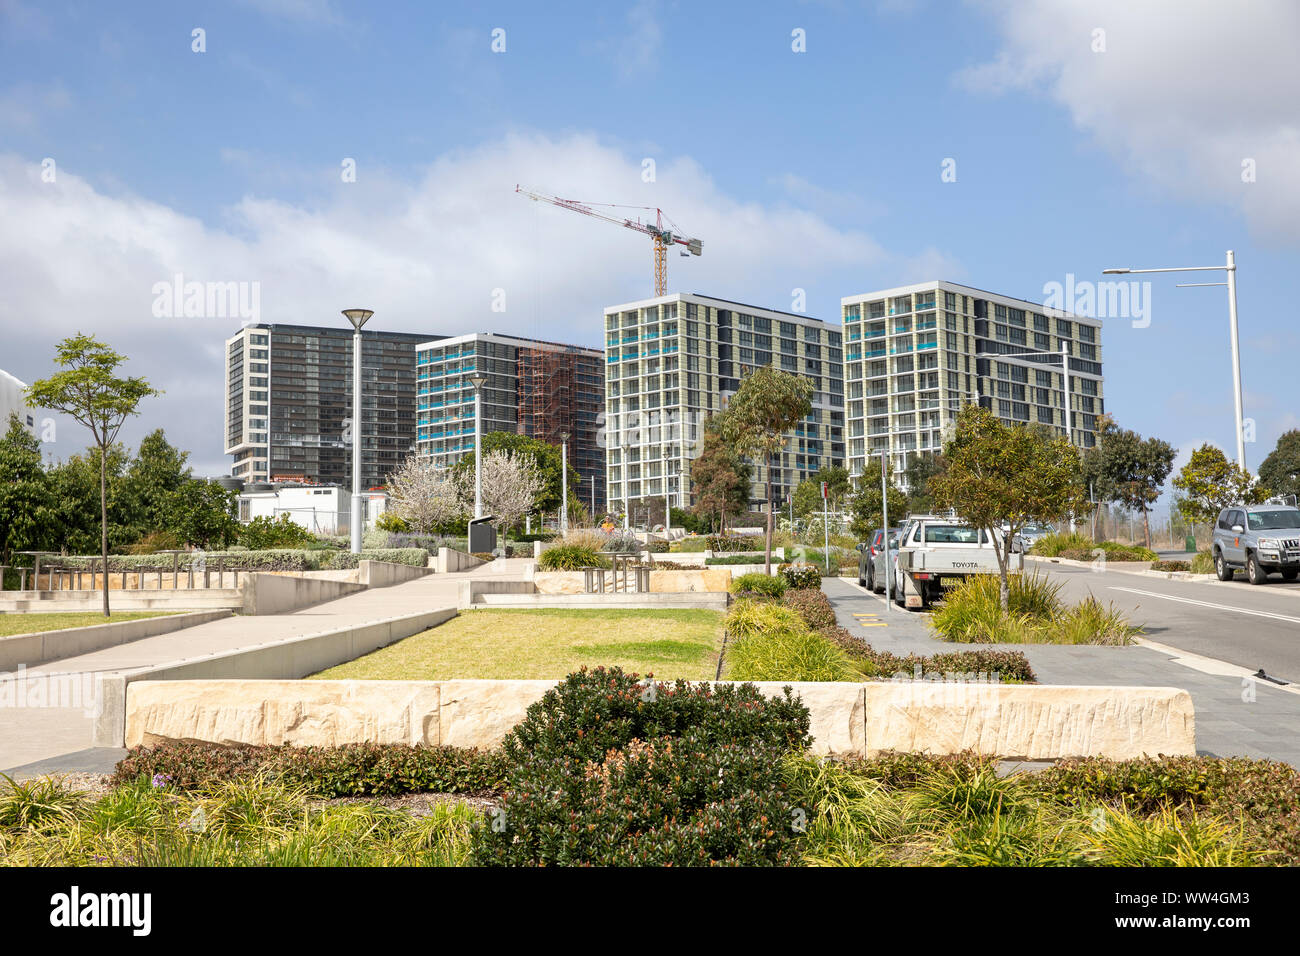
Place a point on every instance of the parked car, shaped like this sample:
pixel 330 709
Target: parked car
pixel 1259 538
pixel 936 552
pixel 1028 536
pixel 872 571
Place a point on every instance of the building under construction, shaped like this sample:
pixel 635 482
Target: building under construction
pixel 535 388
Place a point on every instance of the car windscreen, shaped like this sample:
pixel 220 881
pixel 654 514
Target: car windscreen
pixel 953 534
pixel 1271 520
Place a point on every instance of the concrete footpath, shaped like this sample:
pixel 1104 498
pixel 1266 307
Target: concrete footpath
pixel 32 731
pixel 1235 715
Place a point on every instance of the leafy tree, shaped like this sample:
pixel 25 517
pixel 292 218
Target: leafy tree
pixel 512 485
pixel 158 471
pixel 865 511
pixel 768 404
pixel 720 478
pixel 546 457
pixel 75 483
pixel 1125 467
pixel 998 474
pixel 425 496
pixel 1209 482
pixel 1280 471
pixel 26 517
pixel 89 390
pixel 920 468
pixel 200 513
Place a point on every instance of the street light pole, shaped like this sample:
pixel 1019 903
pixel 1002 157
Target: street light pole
pixel 1230 267
pixel 358 318
pixel 627 502
pixel 477 380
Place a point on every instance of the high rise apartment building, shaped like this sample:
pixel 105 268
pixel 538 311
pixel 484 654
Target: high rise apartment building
pixel 913 355
pixel 288 403
pixel 541 389
pixel 673 361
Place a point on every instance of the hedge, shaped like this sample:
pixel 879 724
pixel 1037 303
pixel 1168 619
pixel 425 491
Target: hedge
pixel 273 559
pixel 367 769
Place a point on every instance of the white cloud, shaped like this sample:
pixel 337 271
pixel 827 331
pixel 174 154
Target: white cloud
pixel 1185 91
pixel 424 253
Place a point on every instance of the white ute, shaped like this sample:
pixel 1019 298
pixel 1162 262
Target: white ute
pixel 936 552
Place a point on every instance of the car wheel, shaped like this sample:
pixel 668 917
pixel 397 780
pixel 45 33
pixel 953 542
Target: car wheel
pixel 870 583
pixel 1221 569
pixel 1254 572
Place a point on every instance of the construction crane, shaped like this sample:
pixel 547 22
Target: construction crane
pixel 663 236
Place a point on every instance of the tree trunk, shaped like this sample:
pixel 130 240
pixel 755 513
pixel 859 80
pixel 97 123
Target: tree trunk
pixel 1146 525
pixel 767 557
pixel 1004 585
pixel 103 520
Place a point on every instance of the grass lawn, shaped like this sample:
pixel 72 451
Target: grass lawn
pixel 35 621
pixel 548 643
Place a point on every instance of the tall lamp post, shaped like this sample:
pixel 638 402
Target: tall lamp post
pixel 358 318
pixel 1230 267
pixel 564 482
pixel 477 380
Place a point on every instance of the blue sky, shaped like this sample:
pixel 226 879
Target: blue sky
pixel 816 170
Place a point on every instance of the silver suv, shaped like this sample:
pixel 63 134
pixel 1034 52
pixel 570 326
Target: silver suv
pixel 1259 538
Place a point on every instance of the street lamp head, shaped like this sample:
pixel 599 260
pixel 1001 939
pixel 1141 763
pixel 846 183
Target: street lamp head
pixel 478 380
pixel 1115 272
pixel 358 317
pixel 564 436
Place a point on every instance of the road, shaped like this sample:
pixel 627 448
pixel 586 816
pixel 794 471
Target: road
pixel 1250 626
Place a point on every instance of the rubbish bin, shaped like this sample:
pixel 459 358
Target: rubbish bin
pixel 482 536
pixel 1190 544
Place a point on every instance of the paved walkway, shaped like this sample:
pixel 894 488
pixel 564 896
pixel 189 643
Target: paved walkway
pixel 34 731
pixel 1234 716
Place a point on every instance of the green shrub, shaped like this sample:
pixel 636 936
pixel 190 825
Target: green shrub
pixel 1051 545
pixel 262 533
pixel 37 804
pixel 812 605
pixel 571 557
pixel 1263 794
pixel 657 546
pixel 342 560
pixel 1171 566
pixel 728 542
pixel 607 769
pixel 795 654
pixel 749 617
pixel 758 583
pixel 1203 563
pixel 690 545
pixel 349 770
pixel 1088 622
pixel 972 613
pixel 1168 838
pixel 737 559
pixel 800 575
pixel 815 609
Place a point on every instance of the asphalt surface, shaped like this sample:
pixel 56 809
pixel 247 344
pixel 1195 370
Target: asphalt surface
pixel 1236 714
pixel 1257 627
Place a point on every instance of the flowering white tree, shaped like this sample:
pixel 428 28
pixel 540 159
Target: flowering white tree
pixel 511 486
pixel 424 495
